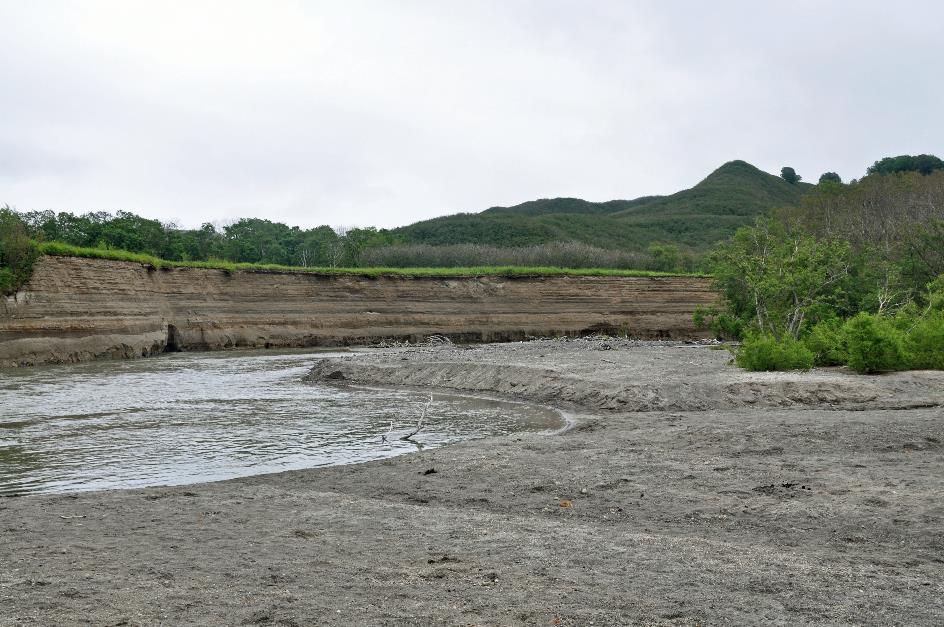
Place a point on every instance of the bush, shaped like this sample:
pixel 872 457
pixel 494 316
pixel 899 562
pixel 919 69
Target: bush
pixel 765 352
pixel 723 325
pixel 925 343
pixel 7 281
pixel 874 344
pixel 936 294
pixel 828 343
pixel 17 252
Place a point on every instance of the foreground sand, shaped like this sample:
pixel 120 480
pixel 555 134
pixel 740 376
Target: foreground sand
pixel 688 492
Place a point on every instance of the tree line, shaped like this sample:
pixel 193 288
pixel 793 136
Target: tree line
pixel 249 240
pixel 259 241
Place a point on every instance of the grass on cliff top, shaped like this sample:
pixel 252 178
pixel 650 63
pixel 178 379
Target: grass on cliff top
pixel 58 249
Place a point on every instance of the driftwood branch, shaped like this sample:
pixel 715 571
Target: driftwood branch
pixel 419 426
pixel 386 436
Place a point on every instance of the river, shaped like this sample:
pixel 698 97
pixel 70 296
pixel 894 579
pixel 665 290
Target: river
pixel 191 417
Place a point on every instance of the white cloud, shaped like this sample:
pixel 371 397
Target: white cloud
pixel 386 113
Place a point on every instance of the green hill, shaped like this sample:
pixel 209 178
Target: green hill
pixel 730 197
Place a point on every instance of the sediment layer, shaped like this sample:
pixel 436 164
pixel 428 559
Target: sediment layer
pixel 76 309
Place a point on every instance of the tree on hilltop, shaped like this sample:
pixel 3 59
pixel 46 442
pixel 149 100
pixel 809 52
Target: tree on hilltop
pixel 789 175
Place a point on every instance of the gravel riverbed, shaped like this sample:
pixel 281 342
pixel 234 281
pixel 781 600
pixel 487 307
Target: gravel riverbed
pixel 686 492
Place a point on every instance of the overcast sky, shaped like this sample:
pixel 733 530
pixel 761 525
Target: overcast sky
pixel 384 113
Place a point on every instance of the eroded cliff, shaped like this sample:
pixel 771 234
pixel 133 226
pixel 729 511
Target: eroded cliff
pixel 76 309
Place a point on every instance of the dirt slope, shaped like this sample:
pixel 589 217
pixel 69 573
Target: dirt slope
pixel 78 309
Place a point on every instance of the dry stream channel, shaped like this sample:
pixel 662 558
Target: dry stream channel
pixel 193 417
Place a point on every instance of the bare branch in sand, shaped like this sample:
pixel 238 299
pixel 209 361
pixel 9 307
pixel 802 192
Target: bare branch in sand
pixel 386 436
pixel 422 418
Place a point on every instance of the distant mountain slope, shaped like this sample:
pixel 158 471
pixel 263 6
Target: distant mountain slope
pixel 570 205
pixel 730 197
pixel 736 188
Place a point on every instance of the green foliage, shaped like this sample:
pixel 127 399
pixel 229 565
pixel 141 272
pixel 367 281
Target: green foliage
pixel 257 243
pixel 827 342
pixel 248 240
pixel 936 294
pixel 664 233
pixel 692 220
pixel 764 352
pixel 874 344
pixel 666 257
pixel 830 177
pixel 925 164
pixel 895 226
pixel 870 247
pixel 723 325
pixel 17 252
pixel 925 343
pixel 556 254
pixel 923 328
pixel 8 282
pixel 66 250
pixel 263 242
pixel 789 175
pixel 773 278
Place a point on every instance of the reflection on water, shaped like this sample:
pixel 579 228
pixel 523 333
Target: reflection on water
pixel 185 418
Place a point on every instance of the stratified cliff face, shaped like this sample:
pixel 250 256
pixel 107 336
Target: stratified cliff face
pixel 79 309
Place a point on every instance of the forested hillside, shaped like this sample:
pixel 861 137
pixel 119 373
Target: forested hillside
pixel 730 197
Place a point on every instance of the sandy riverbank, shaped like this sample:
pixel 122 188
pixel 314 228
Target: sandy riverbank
pixel 690 492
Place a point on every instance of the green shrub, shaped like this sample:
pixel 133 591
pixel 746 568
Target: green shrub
pixel 828 343
pixel 7 281
pixel 17 252
pixel 907 316
pixel 765 352
pixel 925 343
pixel 936 294
pixel 723 325
pixel 874 344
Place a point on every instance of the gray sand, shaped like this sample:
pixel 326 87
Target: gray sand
pixel 688 492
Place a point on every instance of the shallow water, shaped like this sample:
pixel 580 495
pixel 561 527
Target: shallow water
pixel 190 417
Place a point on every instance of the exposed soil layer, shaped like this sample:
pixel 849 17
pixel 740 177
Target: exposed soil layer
pixel 770 505
pixel 76 309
